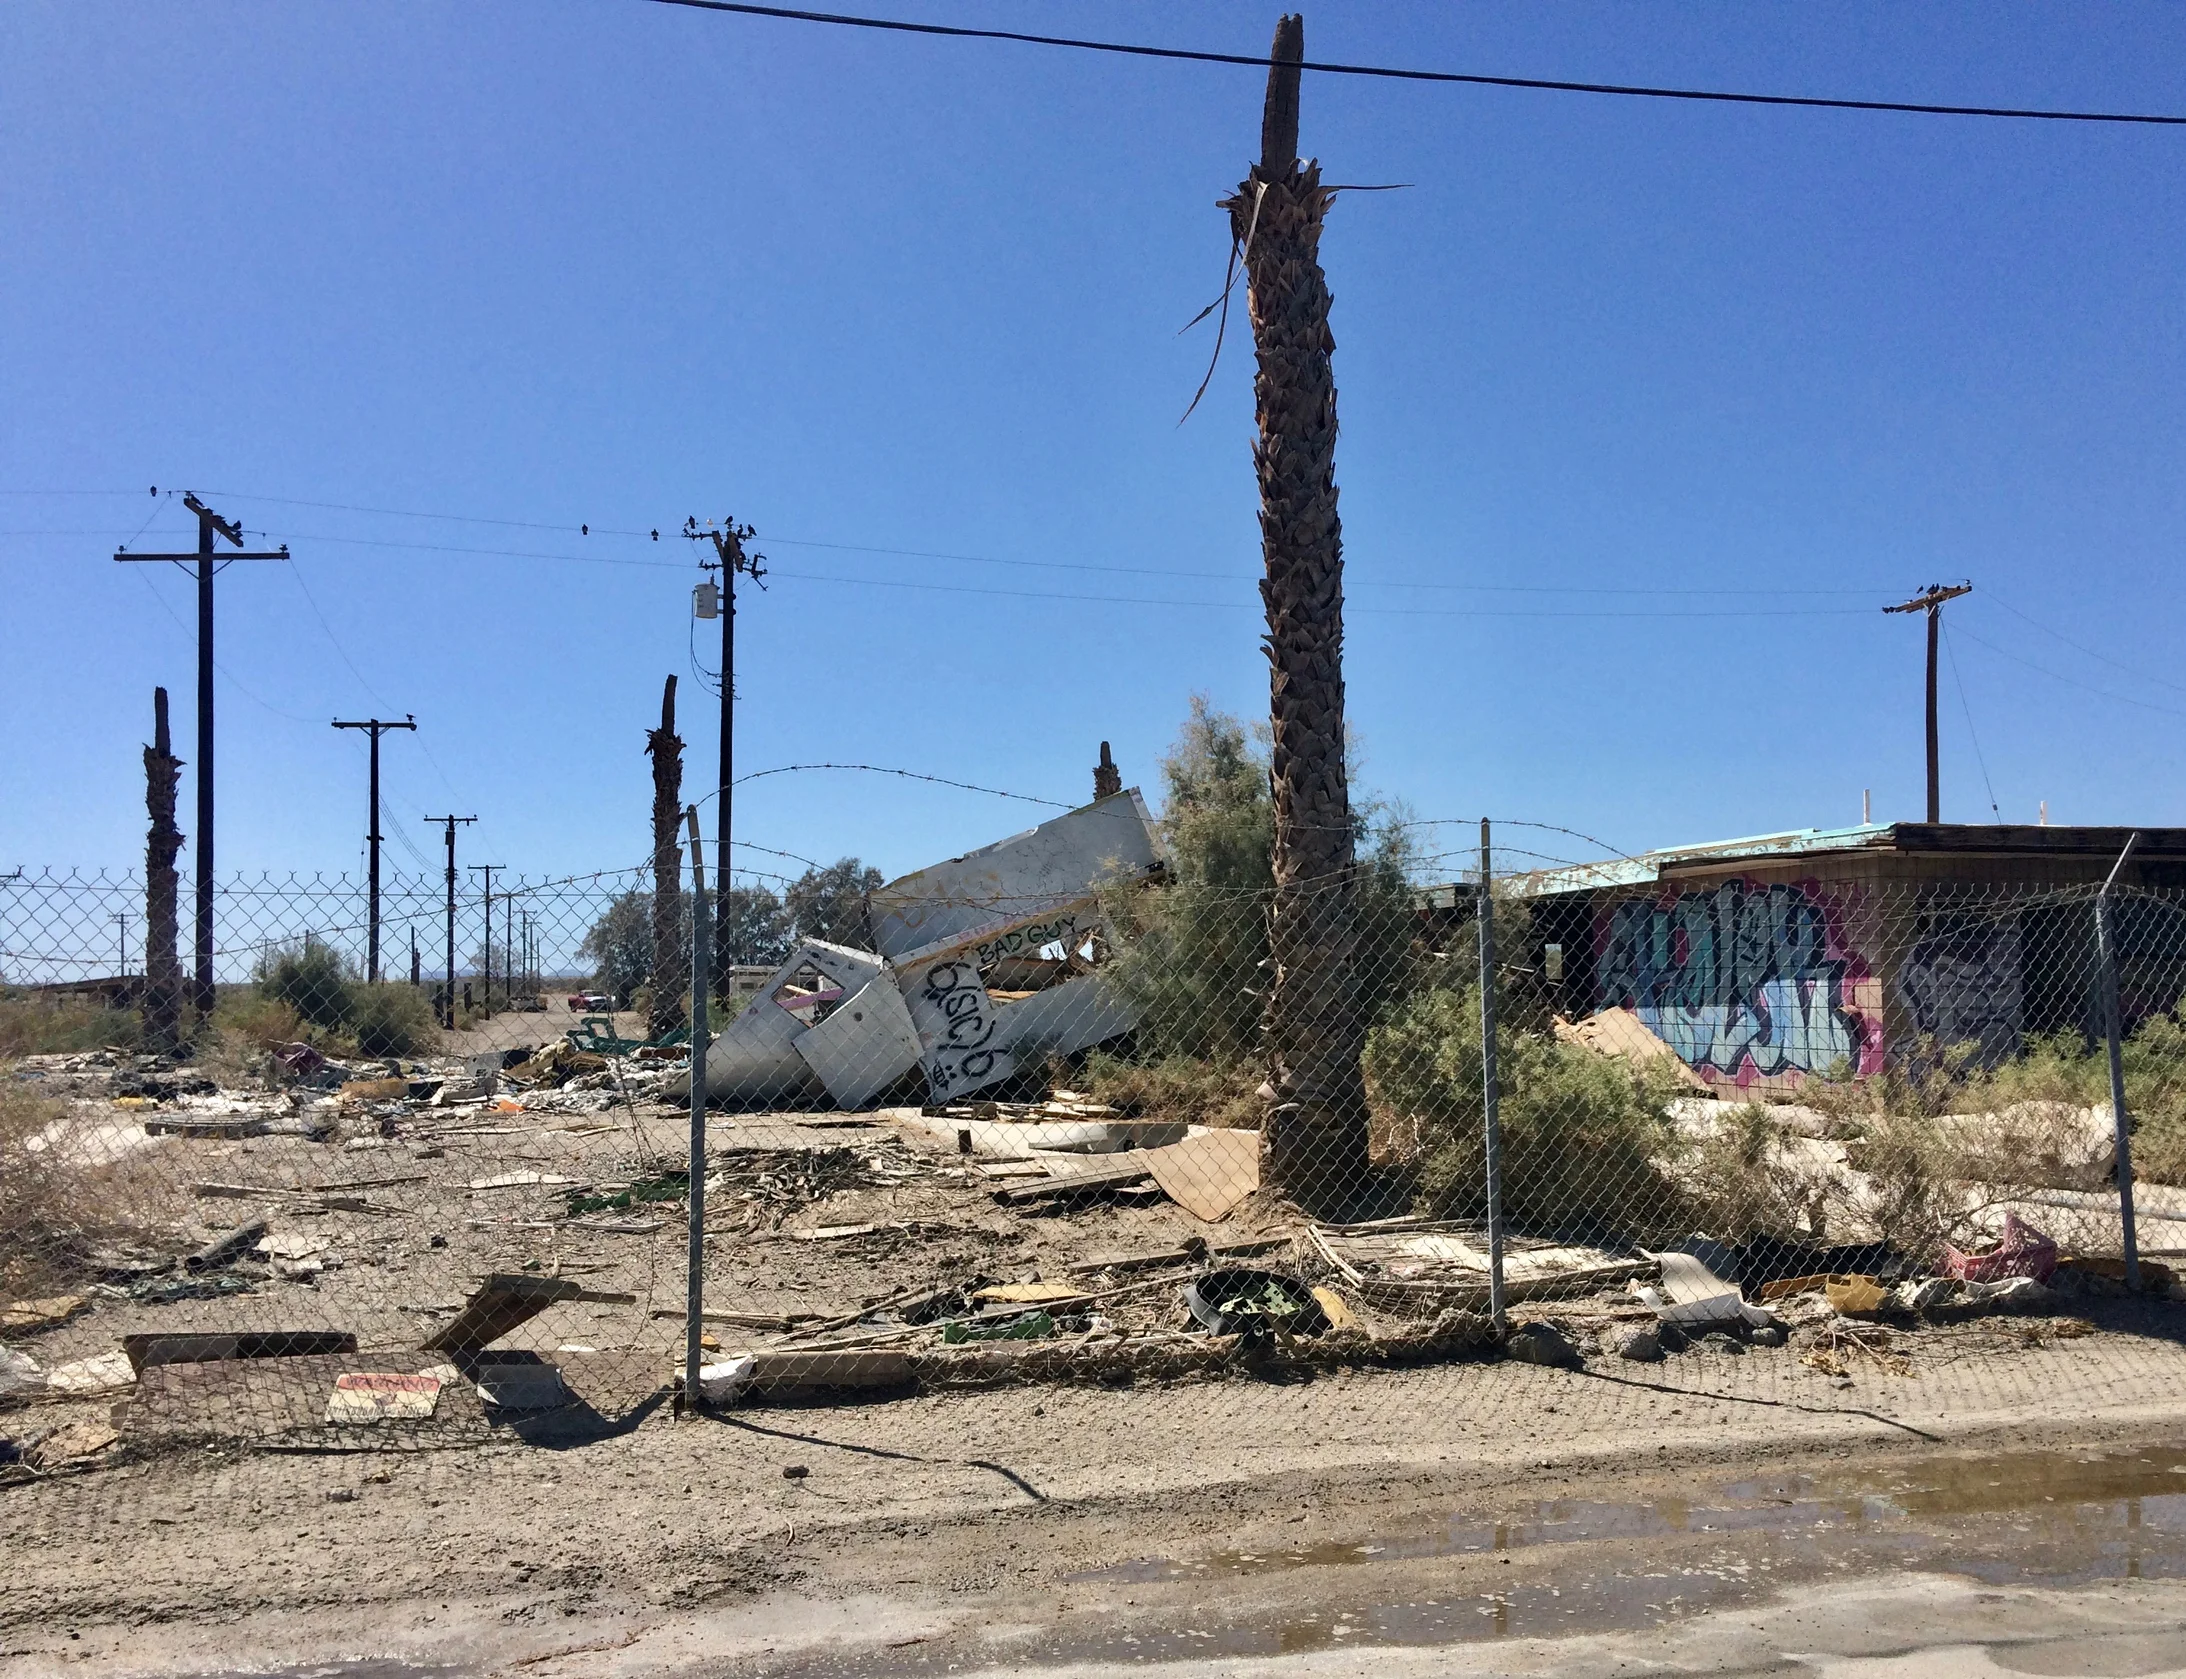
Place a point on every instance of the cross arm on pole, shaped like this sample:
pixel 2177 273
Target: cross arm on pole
pixel 124 557
pixel 1931 598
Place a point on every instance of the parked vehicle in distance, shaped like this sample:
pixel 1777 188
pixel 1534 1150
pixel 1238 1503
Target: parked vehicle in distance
pixel 590 1002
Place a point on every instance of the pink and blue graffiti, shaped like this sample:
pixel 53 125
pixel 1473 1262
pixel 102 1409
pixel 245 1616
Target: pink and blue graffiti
pixel 1747 983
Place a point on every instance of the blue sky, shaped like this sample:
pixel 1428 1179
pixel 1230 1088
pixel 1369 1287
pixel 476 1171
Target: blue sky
pixel 1647 409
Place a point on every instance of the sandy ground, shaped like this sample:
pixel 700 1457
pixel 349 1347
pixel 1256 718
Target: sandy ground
pixel 1052 1525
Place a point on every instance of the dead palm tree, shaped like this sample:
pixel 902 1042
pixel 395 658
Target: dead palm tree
pixel 1314 1144
pixel 665 747
pixel 162 886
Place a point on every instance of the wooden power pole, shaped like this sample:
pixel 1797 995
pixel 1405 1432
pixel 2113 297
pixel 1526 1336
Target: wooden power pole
pixel 732 560
pixel 375 728
pixel 209 526
pixel 447 1003
pixel 1930 601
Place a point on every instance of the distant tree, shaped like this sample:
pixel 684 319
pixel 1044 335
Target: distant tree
pixel 830 903
pixel 620 943
pixel 754 927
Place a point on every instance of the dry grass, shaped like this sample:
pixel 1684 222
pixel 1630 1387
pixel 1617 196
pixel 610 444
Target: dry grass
pixel 46 1207
pixel 1177 1088
pixel 33 1025
pixel 74 1178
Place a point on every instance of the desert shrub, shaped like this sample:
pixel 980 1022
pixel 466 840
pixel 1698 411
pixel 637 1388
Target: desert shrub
pixel 1582 1133
pixel 1198 1092
pixel 390 1019
pixel 45 1204
pixel 1914 1204
pixel 312 979
pixel 312 987
pixel 1192 950
pixel 254 1023
pixel 37 1025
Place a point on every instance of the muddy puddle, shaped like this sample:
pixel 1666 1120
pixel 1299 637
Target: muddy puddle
pixel 2139 1498
pixel 1556 1567
pixel 1563 1566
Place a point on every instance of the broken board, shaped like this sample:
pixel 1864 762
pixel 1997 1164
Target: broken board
pixel 146 1351
pixel 1209 1175
pixel 499 1305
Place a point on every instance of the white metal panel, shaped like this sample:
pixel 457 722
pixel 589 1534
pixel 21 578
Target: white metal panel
pixel 864 1046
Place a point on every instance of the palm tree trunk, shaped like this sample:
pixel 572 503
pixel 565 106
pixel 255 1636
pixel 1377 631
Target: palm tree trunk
pixel 668 978
pixel 1314 1143
pixel 162 886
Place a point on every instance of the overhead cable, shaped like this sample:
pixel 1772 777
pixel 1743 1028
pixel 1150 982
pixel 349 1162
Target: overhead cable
pixel 1258 61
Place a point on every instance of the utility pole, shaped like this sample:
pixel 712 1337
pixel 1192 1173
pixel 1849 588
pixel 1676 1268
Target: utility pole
pixel 1930 601
pixel 447 1005
pixel 707 601
pixel 415 978
pixel 486 977
pixel 375 728
pixel 121 919
pixel 209 526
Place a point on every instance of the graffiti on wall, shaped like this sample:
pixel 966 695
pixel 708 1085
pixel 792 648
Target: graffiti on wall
pixel 1743 981
pixel 1961 984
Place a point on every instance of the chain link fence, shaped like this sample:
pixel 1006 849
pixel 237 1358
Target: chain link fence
pixel 1051 1112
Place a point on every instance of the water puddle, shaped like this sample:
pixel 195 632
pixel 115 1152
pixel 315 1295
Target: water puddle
pixel 1558 1567
pixel 2046 1518
pixel 2139 1498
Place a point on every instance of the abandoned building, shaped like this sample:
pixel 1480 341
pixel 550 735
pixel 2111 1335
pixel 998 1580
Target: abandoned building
pixel 1837 952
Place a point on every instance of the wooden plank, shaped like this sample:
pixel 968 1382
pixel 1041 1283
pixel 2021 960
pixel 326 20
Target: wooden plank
pixel 146 1351
pixel 498 1305
pixel 777 1372
pixel 1078 1183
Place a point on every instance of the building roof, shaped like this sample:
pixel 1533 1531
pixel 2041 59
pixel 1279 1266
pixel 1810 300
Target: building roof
pixel 1964 839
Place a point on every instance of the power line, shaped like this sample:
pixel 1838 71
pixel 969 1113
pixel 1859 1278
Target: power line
pixel 1964 705
pixel 2070 681
pixel 1359 611
pixel 1258 61
pixel 1038 565
pixel 2138 675
pixel 1150 600
pixel 908 775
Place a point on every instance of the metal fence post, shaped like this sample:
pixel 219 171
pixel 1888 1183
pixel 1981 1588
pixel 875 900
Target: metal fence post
pixel 695 1301
pixel 1491 1093
pixel 2106 944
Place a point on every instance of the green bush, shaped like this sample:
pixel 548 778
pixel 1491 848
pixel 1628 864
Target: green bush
pixel 390 1019
pixel 312 986
pixel 311 979
pixel 1582 1133
pixel 1192 951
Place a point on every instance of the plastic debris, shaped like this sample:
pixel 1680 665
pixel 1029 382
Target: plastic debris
pixel 2021 1251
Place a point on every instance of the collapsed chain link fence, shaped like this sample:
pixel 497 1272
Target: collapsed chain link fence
pixel 1046 1112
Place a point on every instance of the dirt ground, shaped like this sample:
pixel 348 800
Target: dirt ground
pixel 993 1524
pixel 228 1526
